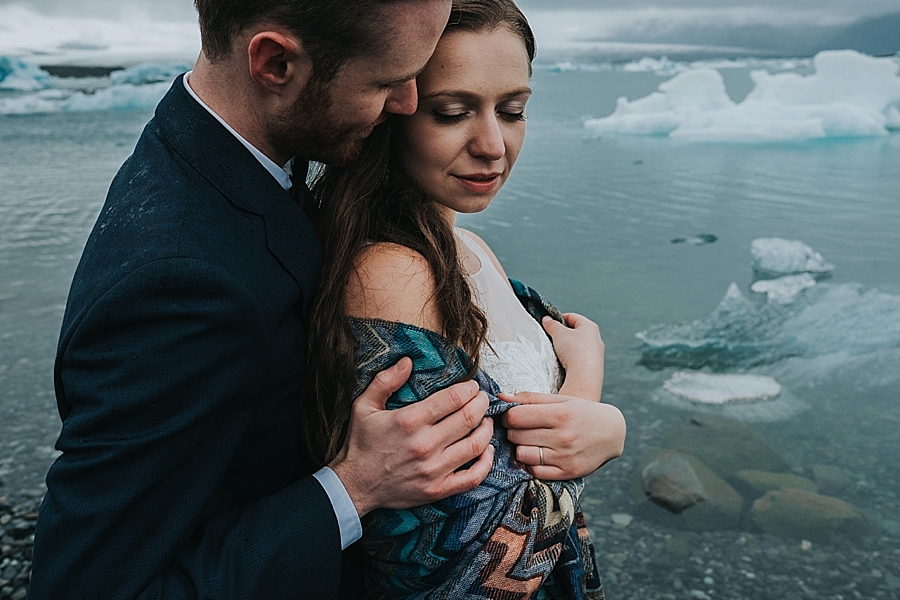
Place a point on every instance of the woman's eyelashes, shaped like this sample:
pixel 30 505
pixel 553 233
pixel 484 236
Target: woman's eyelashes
pixel 451 116
pixel 448 117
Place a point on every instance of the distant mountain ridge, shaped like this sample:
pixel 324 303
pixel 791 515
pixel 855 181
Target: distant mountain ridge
pixel 877 36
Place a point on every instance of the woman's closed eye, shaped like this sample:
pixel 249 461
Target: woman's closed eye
pixel 511 116
pixel 449 117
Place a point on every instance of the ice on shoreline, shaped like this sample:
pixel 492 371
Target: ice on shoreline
pixel 849 95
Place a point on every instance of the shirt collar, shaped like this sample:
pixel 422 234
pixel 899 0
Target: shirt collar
pixel 281 174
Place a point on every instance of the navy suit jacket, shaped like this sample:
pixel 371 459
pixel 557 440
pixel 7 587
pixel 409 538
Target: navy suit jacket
pixel 183 472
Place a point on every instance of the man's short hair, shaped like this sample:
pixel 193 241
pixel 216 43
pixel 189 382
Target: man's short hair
pixel 332 31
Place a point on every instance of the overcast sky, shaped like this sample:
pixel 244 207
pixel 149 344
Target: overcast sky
pixel 181 9
pixel 785 27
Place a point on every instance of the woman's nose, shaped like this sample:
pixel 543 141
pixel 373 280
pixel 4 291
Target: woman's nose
pixel 487 140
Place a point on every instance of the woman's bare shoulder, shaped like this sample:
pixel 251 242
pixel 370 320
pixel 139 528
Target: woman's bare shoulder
pixel 393 283
pixel 486 248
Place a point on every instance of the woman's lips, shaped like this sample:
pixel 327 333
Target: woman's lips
pixel 480 183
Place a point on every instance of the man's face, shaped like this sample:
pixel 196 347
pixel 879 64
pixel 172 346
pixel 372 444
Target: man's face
pixel 328 120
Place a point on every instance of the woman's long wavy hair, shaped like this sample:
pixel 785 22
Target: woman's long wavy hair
pixel 372 200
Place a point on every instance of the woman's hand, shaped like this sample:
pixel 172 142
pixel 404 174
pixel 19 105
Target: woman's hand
pixel 574 436
pixel 580 349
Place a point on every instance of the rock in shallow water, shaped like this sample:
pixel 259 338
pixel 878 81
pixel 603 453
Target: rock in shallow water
pixel 763 482
pixel 831 480
pixel 806 515
pixel 725 446
pixel 671 482
pixel 720 507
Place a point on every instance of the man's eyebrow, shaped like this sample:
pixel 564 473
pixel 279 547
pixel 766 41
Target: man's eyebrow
pixel 524 91
pixel 402 79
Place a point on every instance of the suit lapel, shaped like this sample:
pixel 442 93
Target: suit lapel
pixel 223 161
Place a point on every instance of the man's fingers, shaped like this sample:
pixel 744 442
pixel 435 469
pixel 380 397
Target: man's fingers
pixel 471 446
pixel 466 479
pixel 460 423
pixel 385 383
pixel 445 403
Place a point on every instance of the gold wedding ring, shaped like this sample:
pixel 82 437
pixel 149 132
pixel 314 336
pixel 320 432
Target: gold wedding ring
pixel 541 454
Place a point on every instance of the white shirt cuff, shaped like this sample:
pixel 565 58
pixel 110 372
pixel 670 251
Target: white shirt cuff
pixel 348 518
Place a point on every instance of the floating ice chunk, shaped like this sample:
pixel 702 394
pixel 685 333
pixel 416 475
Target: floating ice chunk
pixel 787 257
pixel 660 66
pixel 720 389
pixel 120 97
pixel 138 87
pixel 148 73
pixel 844 320
pixel 18 76
pixel 784 289
pixel 849 95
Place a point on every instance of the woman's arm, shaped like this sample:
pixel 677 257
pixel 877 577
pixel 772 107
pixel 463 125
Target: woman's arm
pixel 393 283
pixel 434 438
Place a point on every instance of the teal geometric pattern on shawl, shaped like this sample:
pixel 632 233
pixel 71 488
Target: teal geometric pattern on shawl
pixel 512 537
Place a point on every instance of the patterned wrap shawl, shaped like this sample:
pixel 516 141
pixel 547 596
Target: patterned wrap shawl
pixel 512 537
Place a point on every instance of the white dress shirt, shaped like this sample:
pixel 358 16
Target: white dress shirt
pixel 348 518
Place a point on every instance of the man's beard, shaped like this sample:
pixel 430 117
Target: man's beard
pixel 309 131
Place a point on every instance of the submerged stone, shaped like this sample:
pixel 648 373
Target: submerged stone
pixel 671 482
pixel 831 480
pixel 806 515
pixel 719 508
pixel 725 446
pixel 762 481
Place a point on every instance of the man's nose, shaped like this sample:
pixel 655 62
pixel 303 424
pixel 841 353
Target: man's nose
pixel 403 99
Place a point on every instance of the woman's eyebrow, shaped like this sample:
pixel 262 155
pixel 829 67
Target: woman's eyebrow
pixel 471 96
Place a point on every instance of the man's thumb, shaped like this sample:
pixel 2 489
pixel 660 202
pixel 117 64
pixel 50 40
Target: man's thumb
pixel 386 383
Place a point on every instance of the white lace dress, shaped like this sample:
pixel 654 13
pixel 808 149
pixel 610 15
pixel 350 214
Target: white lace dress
pixel 519 355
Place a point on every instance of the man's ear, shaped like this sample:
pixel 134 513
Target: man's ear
pixel 278 61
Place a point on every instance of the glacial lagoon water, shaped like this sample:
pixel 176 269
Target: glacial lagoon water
pixel 590 221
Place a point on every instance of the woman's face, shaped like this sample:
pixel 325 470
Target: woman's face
pixel 465 136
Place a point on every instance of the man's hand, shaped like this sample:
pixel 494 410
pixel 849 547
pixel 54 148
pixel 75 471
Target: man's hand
pixel 413 455
pixel 577 436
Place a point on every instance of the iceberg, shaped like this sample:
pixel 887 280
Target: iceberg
pixel 849 95
pixel 147 73
pixel 18 76
pixel 784 289
pixel 140 87
pixel 786 257
pixel 840 321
